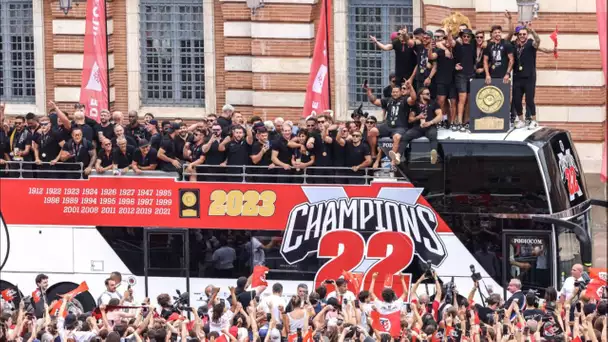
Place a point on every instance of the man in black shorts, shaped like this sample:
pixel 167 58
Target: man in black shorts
pixel 464 57
pixel 397 109
pixel 444 79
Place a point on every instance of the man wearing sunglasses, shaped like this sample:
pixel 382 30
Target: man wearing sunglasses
pixel 46 144
pixel 446 89
pixel 464 58
pixel 424 117
pixel 524 76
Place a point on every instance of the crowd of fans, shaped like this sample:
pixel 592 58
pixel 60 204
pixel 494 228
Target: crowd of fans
pixel 330 313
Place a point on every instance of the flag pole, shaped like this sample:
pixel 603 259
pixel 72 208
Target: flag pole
pixel 107 52
pixel 328 58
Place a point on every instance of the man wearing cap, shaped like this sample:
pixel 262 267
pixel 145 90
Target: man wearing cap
pixel 464 57
pixel 426 68
pixel 144 158
pixel 405 58
pixel 167 153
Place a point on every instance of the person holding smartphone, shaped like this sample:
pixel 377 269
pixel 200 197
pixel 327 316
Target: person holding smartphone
pixel 261 155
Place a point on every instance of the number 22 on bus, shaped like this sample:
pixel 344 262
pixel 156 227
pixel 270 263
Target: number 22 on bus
pixel 394 251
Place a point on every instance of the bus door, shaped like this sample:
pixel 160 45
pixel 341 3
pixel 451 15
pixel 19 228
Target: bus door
pixel 166 261
pixel 529 258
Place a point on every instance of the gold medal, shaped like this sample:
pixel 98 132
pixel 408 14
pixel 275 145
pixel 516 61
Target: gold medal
pixel 393 123
pixel 422 70
pixel 521 68
pixel 43 155
pixel 324 154
pixel 428 65
pixel 493 67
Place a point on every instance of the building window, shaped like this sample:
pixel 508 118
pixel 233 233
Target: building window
pixel 365 61
pixel 172 54
pixel 17 68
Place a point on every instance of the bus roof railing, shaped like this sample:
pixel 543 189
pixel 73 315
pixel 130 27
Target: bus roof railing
pixel 213 173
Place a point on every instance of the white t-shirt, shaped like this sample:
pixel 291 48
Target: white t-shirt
pixel 275 301
pixel 568 287
pixel 106 296
pixel 224 322
pixel 349 296
pixel 385 308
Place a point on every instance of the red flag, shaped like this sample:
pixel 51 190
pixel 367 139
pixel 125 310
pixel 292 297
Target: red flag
pixel 259 276
pixel 94 85
pixel 317 90
pixel 598 283
pixel 387 323
pixel 54 310
pixel 354 280
pixel 8 294
pixel 36 296
pixel 554 39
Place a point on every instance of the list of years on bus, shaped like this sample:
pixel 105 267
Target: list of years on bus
pixel 106 201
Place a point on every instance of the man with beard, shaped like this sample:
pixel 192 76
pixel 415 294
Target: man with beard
pixel 498 57
pixel 105 129
pixel 424 117
pixel 405 57
pixel 194 154
pixel 237 153
pixel 396 122
pixel 425 67
pixel 135 129
pixel 444 79
pixel 167 153
pixel 182 140
pixel 32 123
pixel 46 145
pixel 524 76
pixel 213 156
pixel 261 155
pixel 20 145
pixel 358 156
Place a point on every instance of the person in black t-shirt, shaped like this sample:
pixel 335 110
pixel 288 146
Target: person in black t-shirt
pixel 144 158
pixel 304 156
pixel 237 153
pixel 104 157
pixel 386 92
pixel 105 129
pixel 532 312
pixel 136 130
pixel 396 121
pixel 122 157
pixel 464 57
pixel 405 58
pixel 119 132
pixel 155 137
pixel 425 116
pixel 426 68
pixel 213 156
pixel 194 153
pixel 167 153
pixel 444 79
pixel 261 155
pixel 281 154
pixel 358 157
pixel 46 146
pixel 498 57
pixel 524 76
pixel 78 150
pixel 225 119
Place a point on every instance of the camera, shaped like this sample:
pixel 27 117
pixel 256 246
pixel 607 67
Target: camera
pixel 449 292
pixel 428 269
pixel 533 294
pixel 181 302
pixel 581 284
pixel 476 276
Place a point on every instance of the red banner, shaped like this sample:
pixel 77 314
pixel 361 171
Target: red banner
pixel 158 202
pixel 94 85
pixel 317 90
pixel 259 276
pixel 602 31
pixel 83 287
